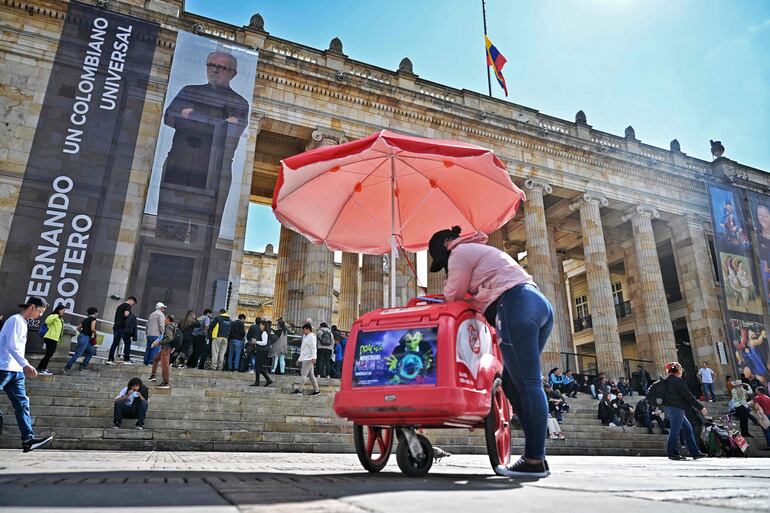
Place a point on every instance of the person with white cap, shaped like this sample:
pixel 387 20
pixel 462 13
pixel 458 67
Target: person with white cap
pixel 156 323
pixel 14 368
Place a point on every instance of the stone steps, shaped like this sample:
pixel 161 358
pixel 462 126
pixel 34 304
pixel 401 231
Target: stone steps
pixel 218 411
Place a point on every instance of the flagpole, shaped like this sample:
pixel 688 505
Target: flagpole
pixel 484 15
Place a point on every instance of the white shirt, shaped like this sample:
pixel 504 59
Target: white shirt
pixel 706 375
pixel 307 350
pixel 262 339
pixel 130 399
pixel 13 339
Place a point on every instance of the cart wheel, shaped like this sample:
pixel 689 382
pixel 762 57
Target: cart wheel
pixel 406 462
pixel 497 427
pixel 373 446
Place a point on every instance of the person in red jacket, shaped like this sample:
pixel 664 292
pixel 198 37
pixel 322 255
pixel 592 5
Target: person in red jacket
pixel 762 401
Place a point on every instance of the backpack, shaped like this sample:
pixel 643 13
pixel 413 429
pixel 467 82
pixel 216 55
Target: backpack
pixel 176 342
pixel 224 327
pixel 43 329
pixel 272 338
pixel 656 394
pixel 326 341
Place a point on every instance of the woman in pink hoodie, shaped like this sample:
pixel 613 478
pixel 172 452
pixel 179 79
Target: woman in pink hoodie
pixel 510 300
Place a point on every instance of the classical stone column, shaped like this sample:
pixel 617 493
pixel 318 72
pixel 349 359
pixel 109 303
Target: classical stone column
pixel 540 264
pixel 318 286
pixel 435 281
pixel 561 305
pixel 348 291
pixel 697 283
pixel 295 277
pixel 280 292
pixel 634 293
pixel 372 274
pixel 406 281
pixel 658 320
pixel 497 239
pixel 605 325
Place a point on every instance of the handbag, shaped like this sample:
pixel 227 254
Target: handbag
pixel 741 442
pixel 93 340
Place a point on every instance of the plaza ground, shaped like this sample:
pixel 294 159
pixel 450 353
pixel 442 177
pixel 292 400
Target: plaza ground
pixel 319 483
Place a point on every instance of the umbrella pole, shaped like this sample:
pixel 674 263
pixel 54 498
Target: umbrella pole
pixel 393 242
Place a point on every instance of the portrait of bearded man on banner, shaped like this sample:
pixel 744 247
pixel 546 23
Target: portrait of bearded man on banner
pixel 195 191
pixel 208 121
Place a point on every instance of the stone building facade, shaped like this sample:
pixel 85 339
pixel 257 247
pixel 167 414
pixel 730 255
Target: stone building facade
pixel 616 232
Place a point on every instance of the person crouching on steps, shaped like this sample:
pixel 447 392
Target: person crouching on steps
pixel 131 403
pixel 261 353
pixel 164 357
pixel 307 358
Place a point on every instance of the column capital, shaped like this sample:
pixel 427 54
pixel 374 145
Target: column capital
pixel 535 184
pixel 326 137
pixel 647 211
pixel 589 198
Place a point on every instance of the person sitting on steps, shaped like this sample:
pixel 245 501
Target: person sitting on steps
pixel 131 403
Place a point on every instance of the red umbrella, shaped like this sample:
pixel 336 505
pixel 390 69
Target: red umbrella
pixel 388 189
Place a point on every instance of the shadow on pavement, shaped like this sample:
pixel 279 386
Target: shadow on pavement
pixel 205 488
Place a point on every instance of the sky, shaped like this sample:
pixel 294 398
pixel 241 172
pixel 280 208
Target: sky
pixel 693 70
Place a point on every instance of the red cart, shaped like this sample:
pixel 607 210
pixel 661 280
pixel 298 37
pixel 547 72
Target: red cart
pixel 429 364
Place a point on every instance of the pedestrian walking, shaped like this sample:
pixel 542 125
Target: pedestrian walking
pixel 706 378
pixel 511 301
pixel 123 330
pixel 164 356
pixel 156 324
pixel 280 347
pixel 261 354
pixel 307 360
pixel 86 342
pixel 132 402
pixel 678 398
pixel 325 348
pixel 220 333
pixel 235 343
pixel 14 368
pixel 54 328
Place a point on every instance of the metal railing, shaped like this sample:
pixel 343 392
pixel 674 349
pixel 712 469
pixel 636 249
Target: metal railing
pixel 623 309
pixel 582 324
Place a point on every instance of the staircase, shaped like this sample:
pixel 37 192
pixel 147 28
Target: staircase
pixel 218 411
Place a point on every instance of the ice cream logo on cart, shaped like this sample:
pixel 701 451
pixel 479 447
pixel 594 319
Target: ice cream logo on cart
pixel 473 341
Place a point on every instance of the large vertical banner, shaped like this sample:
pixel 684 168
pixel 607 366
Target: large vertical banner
pixel 188 228
pixel 741 291
pixel 65 228
pixel 757 356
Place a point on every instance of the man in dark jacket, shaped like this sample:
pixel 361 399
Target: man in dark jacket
pixel 123 329
pixel 677 399
pixel 645 415
pixel 235 343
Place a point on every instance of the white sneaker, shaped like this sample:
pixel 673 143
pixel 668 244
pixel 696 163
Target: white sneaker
pixel 612 424
pixel 553 437
pixel 129 362
pixel 110 362
pixel 45 372
pixel 251 371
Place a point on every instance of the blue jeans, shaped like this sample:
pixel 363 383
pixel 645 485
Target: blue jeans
pixel 524 322
pixel 680 423
pixel 13 384
pixel 279 362
pixel 766 432
pixel 137 410
pixel 149 351
pixel 234 349
pixel 83 347
pixel 708 389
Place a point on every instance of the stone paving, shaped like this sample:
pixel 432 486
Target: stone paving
pixel 85 481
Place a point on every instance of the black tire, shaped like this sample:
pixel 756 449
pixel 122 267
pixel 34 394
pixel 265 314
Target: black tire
pixel 408 465
pixel 497 427
pixel 365 442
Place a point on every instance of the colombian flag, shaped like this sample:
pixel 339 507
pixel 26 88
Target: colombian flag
pixel 497 61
